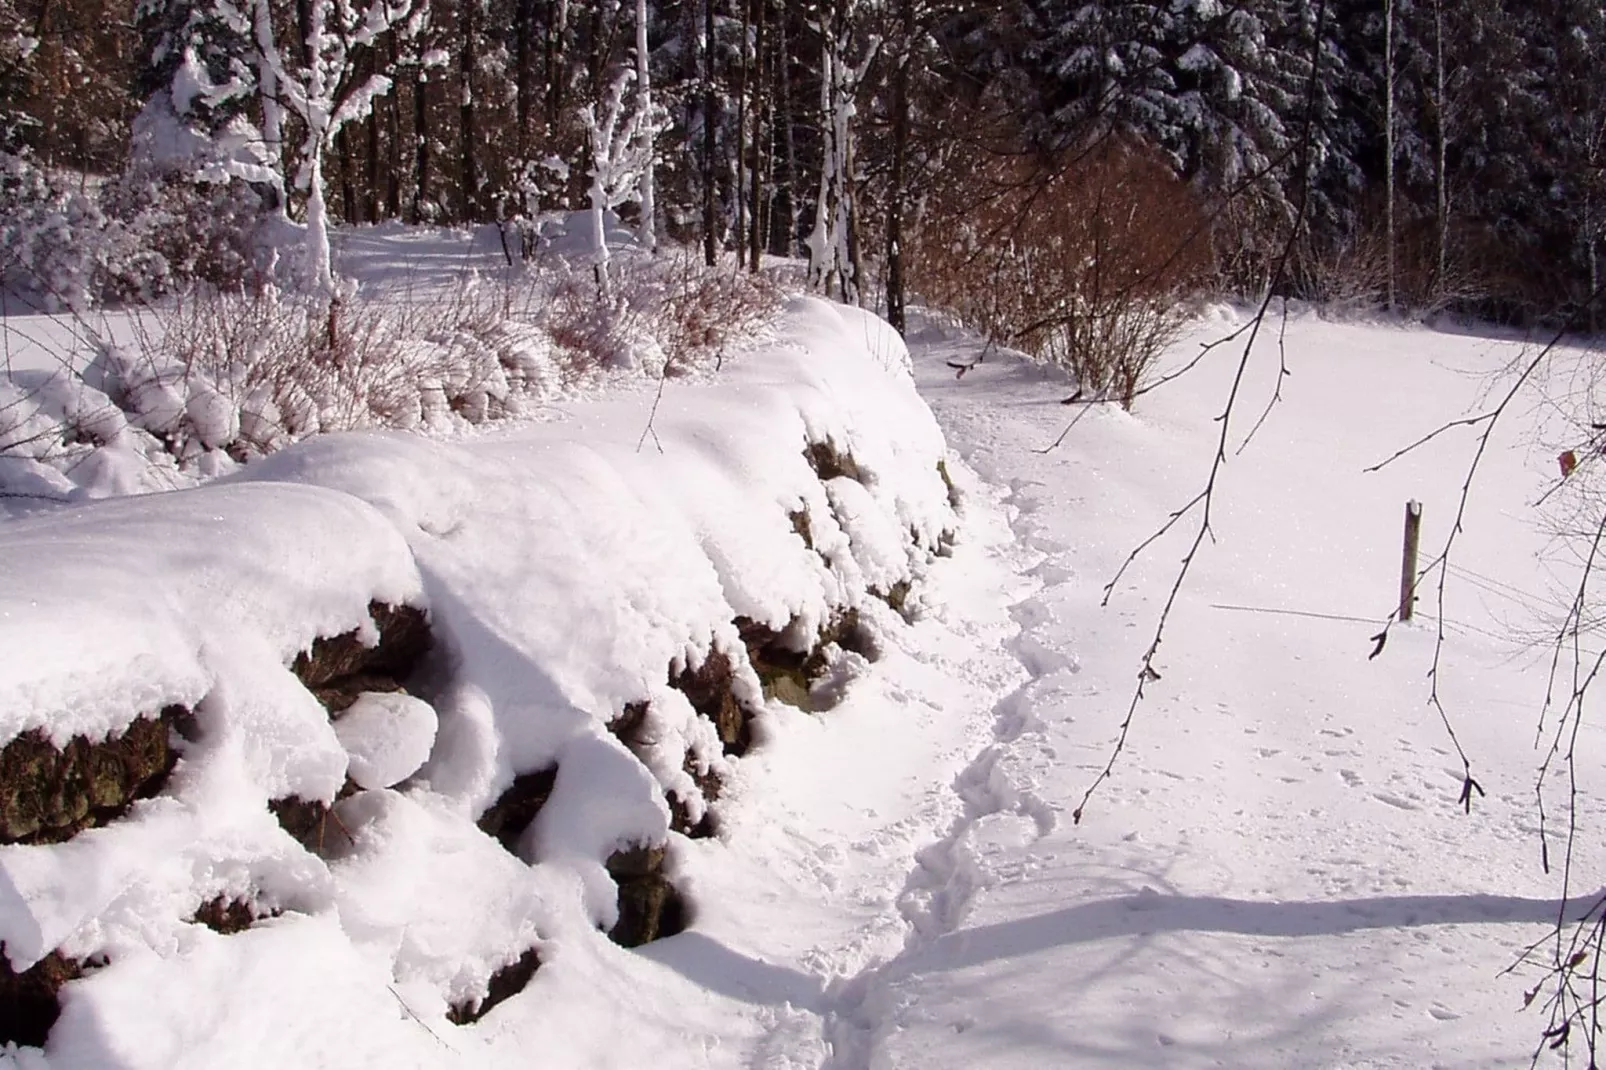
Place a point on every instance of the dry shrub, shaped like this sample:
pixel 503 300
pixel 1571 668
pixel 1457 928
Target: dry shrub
pixel 251 372
pixel 1082 262
pixel 668 314
pixel 1351 272
pixel 248 372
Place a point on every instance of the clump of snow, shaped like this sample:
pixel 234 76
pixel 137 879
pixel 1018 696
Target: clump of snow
pixel 386 736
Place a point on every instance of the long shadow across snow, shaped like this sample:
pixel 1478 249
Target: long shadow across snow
pixel 1148 913
pixel 709 963
pixel 714 966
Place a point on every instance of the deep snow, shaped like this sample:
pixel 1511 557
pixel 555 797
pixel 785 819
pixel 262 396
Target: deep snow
pixel 1278 874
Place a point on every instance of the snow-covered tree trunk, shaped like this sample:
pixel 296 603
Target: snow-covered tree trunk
pixel 621 146
pixel 646 194
pixel 897 193
pixel 322 92
pixel 830 242
pixel 320 261
pixel 710 139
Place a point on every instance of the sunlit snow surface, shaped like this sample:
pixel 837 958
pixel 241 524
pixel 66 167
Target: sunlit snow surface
pixel 1277 875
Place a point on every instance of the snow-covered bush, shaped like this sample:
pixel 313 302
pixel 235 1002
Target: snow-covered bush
pixel 208 232
pixel 1084 264
pixel 137 237
pixel 58 245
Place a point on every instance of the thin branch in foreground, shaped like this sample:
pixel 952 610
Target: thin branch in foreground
pixel 1205 499
pixel 1468 421
pixel 663 377
pixel 1277 391
pixel 1068 428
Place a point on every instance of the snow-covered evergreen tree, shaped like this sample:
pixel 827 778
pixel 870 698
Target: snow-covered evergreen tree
pixel 200 85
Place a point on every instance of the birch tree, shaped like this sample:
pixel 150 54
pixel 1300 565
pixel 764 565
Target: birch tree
pixel 621 139
pixel 324 94
pixel 646 195
pixel 831 243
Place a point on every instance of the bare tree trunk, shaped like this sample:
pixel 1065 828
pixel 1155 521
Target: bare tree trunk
pixel 1593 254
pixel 710 120
pixel 760 108
pixel 1440 151
pixel 896 313
pixel 557 62
pixel 394 139
pixel 421 154
pixel 374 203
pixel 850 192
pixel 348 183
pixel 468 141
pixel 646 190
pixel 523 86
pixel 1388 144
pixel 789 181
pixel 743 81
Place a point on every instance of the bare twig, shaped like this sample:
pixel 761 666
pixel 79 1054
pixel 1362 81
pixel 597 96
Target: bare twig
pixel 1205 499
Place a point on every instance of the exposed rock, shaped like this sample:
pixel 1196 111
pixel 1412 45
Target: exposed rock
pixel 341 695
pixel 829 463
pixel 649 906
pixel 301 818
pixel 782 670
pixel 48 795
pixel 505 983
pixel 638 861
pixel 228 915
pixel 314 824
pixel 710 785
pixel 788 673
pixel 708 689
pixel 515 808
pixel 897 597
pixel 30 1001
pixel 800 524
pixel 627 728
pixel 339 668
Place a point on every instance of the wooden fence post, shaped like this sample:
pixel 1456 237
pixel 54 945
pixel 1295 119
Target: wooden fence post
pixel 1413 536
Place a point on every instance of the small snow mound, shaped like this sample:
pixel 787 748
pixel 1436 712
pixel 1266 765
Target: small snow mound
pixel 387 736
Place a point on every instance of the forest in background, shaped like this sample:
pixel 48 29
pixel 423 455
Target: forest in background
pixel 1025 162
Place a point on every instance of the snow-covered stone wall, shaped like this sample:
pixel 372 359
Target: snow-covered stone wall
pixel 437 714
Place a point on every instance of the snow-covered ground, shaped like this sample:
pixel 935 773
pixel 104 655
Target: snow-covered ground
pixel 1277 874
